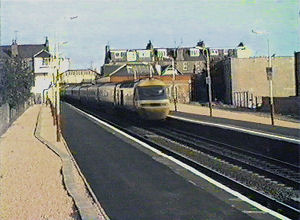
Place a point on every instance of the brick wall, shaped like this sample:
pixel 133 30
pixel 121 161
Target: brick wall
pixel 283 105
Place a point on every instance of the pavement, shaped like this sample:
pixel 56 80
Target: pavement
pixel 51 186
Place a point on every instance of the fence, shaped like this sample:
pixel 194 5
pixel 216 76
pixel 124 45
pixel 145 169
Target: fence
pixel 246 100
pixel 9 115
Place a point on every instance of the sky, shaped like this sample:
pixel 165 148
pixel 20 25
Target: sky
pixel 130 24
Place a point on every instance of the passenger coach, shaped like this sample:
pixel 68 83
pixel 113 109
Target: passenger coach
pixel 147 97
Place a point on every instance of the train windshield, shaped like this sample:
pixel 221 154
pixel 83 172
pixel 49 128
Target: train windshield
pixel 153 92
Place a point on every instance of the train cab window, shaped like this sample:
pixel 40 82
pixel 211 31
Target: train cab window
pixel 153 92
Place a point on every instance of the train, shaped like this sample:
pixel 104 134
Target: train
pixel 147 97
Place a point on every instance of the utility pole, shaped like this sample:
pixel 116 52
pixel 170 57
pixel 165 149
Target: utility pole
pixel 208 81
pixel 208 78
pixel 269 71
pixel 57 98
pixel 173 82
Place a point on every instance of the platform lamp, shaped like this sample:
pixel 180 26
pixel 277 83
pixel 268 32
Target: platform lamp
pixel 57 90
pixel 269 71
pixel 174 90
pixel 208 78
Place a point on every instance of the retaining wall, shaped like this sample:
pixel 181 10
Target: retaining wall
pixel 283 105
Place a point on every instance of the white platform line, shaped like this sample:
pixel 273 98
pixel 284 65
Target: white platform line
pixel 193 170
pixel 255 212
pixel 248 131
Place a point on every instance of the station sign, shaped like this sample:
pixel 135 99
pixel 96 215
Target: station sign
pixel 269 71
pixel 208 80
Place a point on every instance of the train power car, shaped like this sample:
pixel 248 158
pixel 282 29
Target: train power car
pixel 147 97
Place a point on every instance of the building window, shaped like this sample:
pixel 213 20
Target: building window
pixel 214 52
pixel 45 62
pixel 185 66
pixel 161 53
pixel 194 52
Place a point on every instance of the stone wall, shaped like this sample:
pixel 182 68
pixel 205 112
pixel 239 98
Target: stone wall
pixel 4 118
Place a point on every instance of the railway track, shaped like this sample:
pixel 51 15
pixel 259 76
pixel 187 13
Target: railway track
pixel 282 172
pixel 224 163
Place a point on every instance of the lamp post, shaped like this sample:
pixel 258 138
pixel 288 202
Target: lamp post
pixel 269 71
pixel 208 79
pixel 174 91
pixel 56 82
pixel 56 89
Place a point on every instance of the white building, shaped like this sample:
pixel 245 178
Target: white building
pixel 79 76
pixel 39 60
pixel 45 70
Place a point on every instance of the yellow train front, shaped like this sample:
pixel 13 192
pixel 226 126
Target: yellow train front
pixel 151 100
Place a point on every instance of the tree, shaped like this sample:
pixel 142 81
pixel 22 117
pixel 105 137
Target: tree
pixel 17 80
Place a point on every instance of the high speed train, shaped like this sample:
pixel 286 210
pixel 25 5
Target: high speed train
pixel 147 97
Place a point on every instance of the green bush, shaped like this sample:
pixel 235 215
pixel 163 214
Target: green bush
pixel 16 82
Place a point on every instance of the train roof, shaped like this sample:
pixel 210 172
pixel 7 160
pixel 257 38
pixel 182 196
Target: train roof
pixel 151 82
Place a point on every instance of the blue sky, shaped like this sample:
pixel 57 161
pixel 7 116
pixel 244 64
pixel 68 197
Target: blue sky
pixel 167 23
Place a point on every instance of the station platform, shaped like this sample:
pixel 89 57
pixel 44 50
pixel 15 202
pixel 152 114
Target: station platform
pixel 42 192
pixel 133 181
pixel 251 122
pixel 37 176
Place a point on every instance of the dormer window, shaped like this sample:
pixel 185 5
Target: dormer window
pixel 45 62
pixel 214 52
pixel 161 53
pixel 185 66
pixel 194 52
pixel 118 55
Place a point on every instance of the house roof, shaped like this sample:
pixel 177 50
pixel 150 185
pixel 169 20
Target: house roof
pixel 28 51
pixel 141 70
pixel 43 53
pixel 165 68
pixel 24 51
pixel 5 51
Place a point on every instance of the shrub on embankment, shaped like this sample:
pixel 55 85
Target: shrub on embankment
pixel 15 82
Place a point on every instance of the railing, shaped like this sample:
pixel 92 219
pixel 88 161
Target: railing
pixel 246 99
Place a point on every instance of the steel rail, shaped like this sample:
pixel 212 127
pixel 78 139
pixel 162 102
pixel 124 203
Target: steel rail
pixel 211 150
